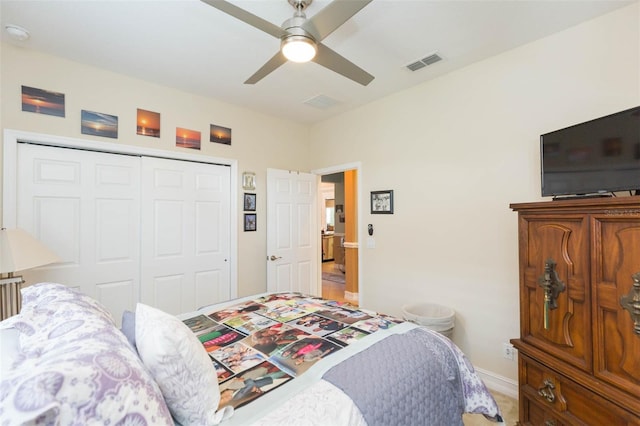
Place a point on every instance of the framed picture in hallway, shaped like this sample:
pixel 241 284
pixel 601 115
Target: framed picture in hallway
pixel 250 222
pixel 382 202
pixel 249 202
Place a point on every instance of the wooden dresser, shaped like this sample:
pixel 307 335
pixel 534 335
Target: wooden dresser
pixel 579 345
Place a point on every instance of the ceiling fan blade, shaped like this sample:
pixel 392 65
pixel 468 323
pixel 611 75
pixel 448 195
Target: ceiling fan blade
pixel 273 63
pixel 332 16
pixel 332 60
pixel 247 17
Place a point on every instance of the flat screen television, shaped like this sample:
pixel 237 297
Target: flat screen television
pixel 596 157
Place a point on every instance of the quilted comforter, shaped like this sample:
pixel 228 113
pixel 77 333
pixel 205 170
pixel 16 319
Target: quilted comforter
pixel 271 352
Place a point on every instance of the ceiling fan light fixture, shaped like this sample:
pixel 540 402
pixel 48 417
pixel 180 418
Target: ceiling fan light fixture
pixel 298 48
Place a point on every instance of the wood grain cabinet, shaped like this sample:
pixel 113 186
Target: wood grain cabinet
pixel 579 345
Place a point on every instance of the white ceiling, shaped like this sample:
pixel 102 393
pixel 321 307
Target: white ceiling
pixel 191 46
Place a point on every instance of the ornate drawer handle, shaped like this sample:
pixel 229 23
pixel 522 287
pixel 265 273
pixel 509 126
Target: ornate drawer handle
pixel 546 391
pixel 631 302
pixel 550 423
pixel 552 286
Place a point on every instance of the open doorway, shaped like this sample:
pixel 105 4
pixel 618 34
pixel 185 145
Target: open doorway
pixel 339 247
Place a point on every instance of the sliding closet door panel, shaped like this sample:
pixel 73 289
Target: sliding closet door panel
pixel 85 206
pixel 186 234
pixel 168 232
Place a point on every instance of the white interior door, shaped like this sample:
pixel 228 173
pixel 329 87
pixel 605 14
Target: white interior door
pixel 186 234
pixel 292 232
pixel 85 206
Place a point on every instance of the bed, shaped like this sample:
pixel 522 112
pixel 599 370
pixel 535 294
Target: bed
pixel 270 359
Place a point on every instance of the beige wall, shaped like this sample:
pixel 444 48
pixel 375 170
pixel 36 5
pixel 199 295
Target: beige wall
pixel 456 151
pixel 258 141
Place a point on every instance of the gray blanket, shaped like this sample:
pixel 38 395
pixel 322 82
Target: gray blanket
pixel 406 379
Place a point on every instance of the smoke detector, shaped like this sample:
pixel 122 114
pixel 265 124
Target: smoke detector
pixel 16 33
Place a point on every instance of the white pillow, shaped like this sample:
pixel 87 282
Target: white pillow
pixel 180 366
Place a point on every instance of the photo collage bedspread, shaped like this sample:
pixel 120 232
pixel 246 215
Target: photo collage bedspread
pixel 260 344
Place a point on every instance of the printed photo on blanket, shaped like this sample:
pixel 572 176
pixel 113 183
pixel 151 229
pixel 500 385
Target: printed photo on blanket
pixel 218 337
pixel 250 384
pixel 374 324
pixel 298 357
pixel 306 305
pixel 317 325
pixel 222 372
pixel 249 323
pixel 236 310
pixel 277 296
pixel 348 316
pixel 199 323
pixel 238 357
pixel 274 338
pixel 284 313
pixel 347 336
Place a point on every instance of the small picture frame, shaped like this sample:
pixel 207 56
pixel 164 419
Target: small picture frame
pixel 250 220
pixel 148 123
pixel 382 202
pixel 98 124
pixel 186 138
pixel 42 101
pixel 249 202
pixel 249 181
pixel 219 134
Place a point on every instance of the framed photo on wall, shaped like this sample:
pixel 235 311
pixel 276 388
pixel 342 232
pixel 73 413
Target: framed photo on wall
pixel 250 202
pixel 382 202
pixel 98 124
pixel 250 222
pixel 249 181
pixel 42 101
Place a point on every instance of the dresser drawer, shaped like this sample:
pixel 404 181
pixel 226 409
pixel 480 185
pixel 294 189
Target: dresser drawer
pixel 549 398
pixel 538 414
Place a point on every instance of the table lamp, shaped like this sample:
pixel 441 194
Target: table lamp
pixel 18 251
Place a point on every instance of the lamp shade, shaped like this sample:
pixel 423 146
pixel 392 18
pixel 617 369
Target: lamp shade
pixel 19 251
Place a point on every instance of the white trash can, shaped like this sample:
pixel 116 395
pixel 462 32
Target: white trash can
pixel 432 316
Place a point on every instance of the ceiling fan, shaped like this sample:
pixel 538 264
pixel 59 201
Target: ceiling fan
pixel 302 37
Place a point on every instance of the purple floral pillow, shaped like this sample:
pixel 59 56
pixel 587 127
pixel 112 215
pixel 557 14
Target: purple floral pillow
pixel 75 366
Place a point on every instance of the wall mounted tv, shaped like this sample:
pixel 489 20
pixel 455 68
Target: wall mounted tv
pixel 596 157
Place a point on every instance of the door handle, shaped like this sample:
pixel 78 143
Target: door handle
pixel 552 286
pixel 631 302
pixel 274 257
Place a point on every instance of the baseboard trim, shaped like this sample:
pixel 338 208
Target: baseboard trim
pixel 351 297
pixel 499 383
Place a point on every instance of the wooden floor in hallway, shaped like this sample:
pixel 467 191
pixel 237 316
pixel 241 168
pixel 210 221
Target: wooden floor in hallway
pixel 331 289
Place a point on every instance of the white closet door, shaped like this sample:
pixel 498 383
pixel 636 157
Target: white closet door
pixel 84 206
pixel 185 234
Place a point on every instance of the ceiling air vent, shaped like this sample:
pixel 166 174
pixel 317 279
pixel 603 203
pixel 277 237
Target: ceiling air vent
pixel 421 63
pixel 321 102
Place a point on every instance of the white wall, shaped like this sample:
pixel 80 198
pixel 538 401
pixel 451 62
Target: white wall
pixel 258 141
pixel 456 151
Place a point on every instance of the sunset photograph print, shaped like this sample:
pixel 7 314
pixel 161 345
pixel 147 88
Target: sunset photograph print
pixel 186 138
pixel 42 101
